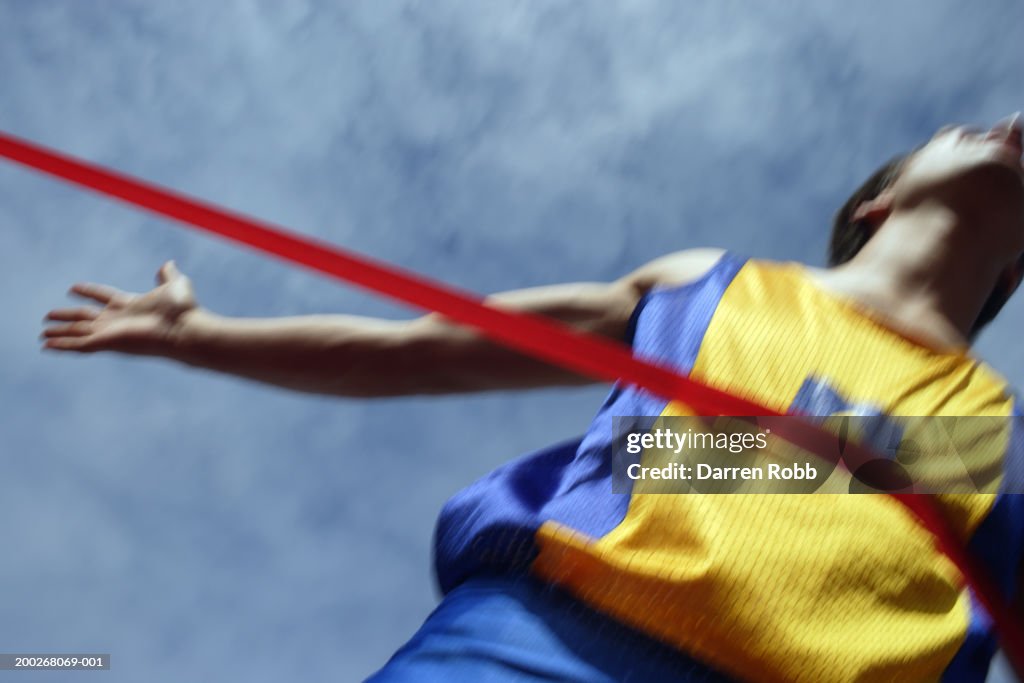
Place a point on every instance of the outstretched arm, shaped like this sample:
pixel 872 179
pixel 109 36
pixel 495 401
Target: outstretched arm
pixel 349 355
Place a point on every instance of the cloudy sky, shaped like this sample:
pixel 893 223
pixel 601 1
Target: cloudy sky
pixel 209 528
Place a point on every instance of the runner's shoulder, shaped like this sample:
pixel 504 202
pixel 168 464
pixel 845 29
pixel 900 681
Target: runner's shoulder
pixel 675 269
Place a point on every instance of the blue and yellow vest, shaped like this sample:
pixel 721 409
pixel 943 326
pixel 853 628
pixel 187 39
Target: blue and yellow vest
pixel 785 587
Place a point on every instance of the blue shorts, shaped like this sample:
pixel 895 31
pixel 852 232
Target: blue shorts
pixel 498 630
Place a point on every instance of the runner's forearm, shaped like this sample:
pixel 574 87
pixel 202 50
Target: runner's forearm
pixel 327 354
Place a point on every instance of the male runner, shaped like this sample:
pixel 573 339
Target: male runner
pixel 548 575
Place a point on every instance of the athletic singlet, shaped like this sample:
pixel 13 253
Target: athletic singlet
pixel 783 587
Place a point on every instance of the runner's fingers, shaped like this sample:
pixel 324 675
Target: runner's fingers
pixel 100 293
pixel 73 314
pixel 80 344
pixel 167 272
pixel 76 329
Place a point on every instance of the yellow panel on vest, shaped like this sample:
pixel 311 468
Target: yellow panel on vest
pixel 795 587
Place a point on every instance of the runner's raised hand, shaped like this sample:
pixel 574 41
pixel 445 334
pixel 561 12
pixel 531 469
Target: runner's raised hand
pixel 142 324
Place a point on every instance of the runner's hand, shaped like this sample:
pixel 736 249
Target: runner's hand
pixel 142 324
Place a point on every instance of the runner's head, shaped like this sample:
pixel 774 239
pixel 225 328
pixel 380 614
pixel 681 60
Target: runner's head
pixel 976 174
